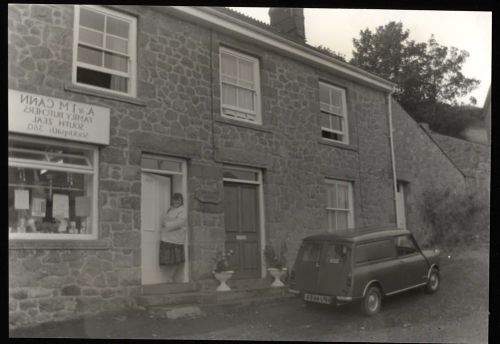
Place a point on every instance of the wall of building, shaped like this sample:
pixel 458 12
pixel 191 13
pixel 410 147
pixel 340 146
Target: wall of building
pixel 422 165
pixel 177 113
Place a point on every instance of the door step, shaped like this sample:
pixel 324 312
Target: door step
pixel 169 288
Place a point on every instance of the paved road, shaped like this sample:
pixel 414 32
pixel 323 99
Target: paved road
pixel 457 313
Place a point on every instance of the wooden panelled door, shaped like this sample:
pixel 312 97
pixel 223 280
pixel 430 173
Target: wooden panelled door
pixel 242 219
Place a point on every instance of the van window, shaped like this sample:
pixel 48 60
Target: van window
pixel 404 245
pixel 375 250
pixel 311 252
pixel 336 253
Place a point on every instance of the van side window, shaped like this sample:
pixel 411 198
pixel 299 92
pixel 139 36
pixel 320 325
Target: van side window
pixel 336 253
pixel 311 252
pixel 404 245
pixel 375 250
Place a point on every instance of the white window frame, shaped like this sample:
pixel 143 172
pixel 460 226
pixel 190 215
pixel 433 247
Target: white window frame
pixel 350 211
pixel 343 115
pixel 94 170
pixel 132 55
pixel 256 90
pixel 262 220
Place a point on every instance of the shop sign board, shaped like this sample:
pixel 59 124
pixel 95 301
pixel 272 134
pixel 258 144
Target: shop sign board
pixel 36 114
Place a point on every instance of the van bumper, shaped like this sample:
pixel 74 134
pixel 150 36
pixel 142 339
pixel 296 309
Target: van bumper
pixel 293 291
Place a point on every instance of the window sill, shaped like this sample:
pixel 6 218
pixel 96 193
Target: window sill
pixel 337 144
pixel 242 124
pixel 103 94
pixel 33 244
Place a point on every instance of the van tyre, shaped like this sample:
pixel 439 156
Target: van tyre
pixel 372 302
pixel 433 283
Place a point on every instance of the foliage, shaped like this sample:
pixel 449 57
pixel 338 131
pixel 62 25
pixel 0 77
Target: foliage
pixel 274 260
pixel 221 260
pixel 428 75
pixel 452 217
pixel 328 51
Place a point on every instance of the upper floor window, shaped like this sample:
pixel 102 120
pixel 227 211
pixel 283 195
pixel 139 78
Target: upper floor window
pixel 339 205
pixel 104 55
pixel 240 87
pixel 52 189
pixel 333 113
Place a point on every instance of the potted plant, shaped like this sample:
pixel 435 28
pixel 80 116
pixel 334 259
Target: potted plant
pixel 276 263
pixel 221 269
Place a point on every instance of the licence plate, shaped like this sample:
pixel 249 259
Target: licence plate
pixel 318 298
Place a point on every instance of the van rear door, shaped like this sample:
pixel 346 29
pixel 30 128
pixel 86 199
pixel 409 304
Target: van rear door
pixel 335 266
pixel 307 266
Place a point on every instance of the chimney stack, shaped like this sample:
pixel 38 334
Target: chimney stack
pixel 289 21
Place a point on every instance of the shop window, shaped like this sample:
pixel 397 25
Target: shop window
pixel 52 190
pixel 333 113
pixel 104 49
pixel 240 88
pixel 339 205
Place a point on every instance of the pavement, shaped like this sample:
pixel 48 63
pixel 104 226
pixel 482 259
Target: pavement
pixel 457 313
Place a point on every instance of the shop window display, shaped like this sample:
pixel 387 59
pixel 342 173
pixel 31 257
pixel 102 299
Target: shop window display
pixel 51 189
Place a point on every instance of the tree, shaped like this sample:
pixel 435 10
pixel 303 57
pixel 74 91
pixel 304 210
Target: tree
pixel 332 53
pixel 426 74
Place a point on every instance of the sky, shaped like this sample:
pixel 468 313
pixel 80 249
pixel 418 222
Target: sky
pixel 465 30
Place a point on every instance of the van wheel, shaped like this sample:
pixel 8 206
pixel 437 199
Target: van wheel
pixel 372 302
pixel 433 283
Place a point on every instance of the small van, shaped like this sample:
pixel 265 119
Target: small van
pixel 362 265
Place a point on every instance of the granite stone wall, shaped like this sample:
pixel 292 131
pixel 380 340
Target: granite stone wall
pixel 177 113
pixel 421 165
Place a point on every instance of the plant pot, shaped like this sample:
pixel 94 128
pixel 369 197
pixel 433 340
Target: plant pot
pixel 277 274
pixel 223 277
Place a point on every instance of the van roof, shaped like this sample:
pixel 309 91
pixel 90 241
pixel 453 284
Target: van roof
pixel 358 234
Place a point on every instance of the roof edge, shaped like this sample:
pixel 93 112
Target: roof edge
pixel 212 17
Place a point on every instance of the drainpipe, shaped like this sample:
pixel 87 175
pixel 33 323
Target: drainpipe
pixel 391 140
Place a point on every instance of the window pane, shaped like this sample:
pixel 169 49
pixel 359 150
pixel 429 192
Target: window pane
pixel 229 95
pixel 90 55
pixel 331 136
pixel 342 196
pixel 324 95
pixel 229 65
pixel 91 19
pixel 324 107
pixel 117 27
pixel 332 195
pixel 331 220
pixel 149 163
pixel 336 253
pixel 246 72
pixel 341 220
pixel 311 252
pixel 90 37
pixel 100 79
pixel 26 154
pixel 117 44
pixel 170 165
pixel 374 250
pixel 325 120
pixel 336 123
pixel 42 201
pixel 240 174
pixel 116 62
pixel 245 99
pixel 336 98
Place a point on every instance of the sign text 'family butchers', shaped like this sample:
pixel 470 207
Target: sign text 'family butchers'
pixel 48 116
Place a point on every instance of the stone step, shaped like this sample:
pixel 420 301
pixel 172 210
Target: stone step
pixel 197 310
pixel 255 283
pixel 207 297
pixel 169 288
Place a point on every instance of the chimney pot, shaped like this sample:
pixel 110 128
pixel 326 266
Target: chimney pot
pixel 289 21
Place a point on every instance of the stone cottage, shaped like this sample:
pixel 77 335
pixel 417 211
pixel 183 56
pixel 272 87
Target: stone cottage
pixel 112 109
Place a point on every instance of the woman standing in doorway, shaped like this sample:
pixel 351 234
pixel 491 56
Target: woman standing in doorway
pixel 173 235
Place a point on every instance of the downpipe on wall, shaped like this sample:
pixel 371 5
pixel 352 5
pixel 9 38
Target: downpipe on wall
pixel 393 159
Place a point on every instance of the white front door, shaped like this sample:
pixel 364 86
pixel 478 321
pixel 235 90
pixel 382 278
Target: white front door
pixel 155 200
pixel 400 206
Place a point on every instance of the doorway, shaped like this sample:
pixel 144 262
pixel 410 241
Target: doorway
pixel 400 205
pixel 161 177
pixel 243 221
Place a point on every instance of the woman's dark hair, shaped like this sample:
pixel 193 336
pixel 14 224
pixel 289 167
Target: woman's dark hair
pixel 178 196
